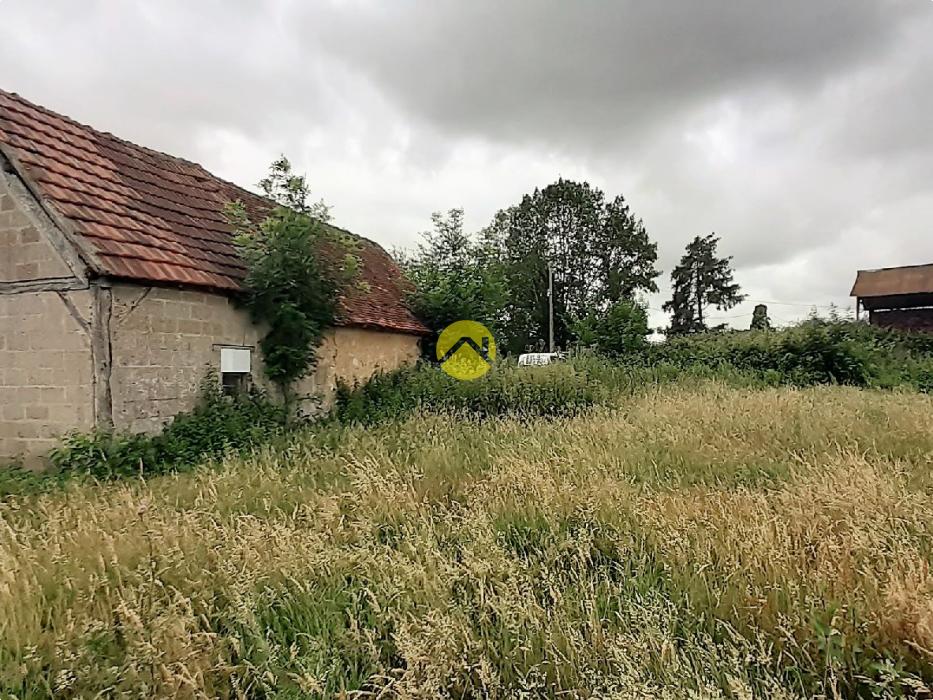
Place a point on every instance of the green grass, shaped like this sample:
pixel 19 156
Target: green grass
pixel 690 540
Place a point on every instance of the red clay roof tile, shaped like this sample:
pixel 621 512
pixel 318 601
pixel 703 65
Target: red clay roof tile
pixel 150 217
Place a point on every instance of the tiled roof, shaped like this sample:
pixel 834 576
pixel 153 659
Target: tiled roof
pixel 894 281
pixel 145 216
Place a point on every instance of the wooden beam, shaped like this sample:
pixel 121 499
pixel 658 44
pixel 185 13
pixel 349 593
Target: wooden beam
pixel 52 284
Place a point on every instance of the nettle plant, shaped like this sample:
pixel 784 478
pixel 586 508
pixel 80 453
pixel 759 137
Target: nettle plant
pixel 297 268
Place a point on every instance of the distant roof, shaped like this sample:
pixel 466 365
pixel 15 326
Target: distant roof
pixel 894 281
pixel 150 217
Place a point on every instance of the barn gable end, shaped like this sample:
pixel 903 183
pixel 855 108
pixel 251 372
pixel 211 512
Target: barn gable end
pixel 46 313
pixel 33 251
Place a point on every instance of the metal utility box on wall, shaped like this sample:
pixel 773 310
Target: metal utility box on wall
pixel 235 360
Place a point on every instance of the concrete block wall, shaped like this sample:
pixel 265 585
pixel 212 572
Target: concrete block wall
pixel 164 342
pixel 46 375
pixel 75 355
pixel 46 385
pixel 25 254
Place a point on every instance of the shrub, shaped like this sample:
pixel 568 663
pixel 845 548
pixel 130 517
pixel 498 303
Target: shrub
pixel 505 390
pixel 552 390
pixel 824 354
pixel 296 268
pixel 814 352
pixel 105 455
pixel 216 425
pixel 16 480
pixel 919 372
pixel 386 395
pixel 220 423
pixel 619 331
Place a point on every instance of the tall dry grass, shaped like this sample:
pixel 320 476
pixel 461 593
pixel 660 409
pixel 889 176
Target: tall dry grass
pixel 701 542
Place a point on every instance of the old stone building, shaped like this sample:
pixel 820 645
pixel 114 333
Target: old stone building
pixel 897 297
pixel 116 277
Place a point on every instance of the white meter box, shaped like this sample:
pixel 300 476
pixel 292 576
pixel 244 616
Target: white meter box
pixel 235 360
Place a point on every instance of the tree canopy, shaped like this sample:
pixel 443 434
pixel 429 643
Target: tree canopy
pixel 297 266
pixel 600 255
pixel 598 250
pixel 617 331
pixel 455 277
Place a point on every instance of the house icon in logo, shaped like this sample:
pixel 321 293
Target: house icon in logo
pixel 466 350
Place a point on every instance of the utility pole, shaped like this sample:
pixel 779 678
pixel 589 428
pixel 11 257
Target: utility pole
pixel 550 308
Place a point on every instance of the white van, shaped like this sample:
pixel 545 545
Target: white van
pixel 536 359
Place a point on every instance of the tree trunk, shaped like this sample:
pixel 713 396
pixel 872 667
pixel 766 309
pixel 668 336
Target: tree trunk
pixel 699 294
pixel 288 401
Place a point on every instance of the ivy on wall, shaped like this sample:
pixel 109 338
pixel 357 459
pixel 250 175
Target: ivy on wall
pixel 297 266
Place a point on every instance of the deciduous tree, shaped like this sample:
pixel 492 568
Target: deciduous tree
pixel 296 267
pixel 598 251
pixel 620 330
pixel 454 277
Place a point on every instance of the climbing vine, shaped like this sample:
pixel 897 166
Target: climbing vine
pixel 297 267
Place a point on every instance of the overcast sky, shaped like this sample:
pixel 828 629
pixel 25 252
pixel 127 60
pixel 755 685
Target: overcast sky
pixel 798 130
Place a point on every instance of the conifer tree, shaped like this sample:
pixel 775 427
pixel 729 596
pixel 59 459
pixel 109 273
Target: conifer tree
pixel 702 279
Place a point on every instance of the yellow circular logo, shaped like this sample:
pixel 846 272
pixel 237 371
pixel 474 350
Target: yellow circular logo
pixel 466 350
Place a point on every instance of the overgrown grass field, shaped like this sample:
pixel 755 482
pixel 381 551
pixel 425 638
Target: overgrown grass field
pixel 689 540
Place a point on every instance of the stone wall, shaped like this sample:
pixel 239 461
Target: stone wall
pixel 164 342
pixel 46 376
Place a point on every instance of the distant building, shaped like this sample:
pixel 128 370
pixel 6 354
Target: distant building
pixel 897 297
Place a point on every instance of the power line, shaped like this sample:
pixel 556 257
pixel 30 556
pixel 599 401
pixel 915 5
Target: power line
pixel 726 318
pixel 777 303
pixel 795 303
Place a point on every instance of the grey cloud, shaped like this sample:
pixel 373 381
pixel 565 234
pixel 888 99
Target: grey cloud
pixel 158 72
pixel 564 70
pixel 797 130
